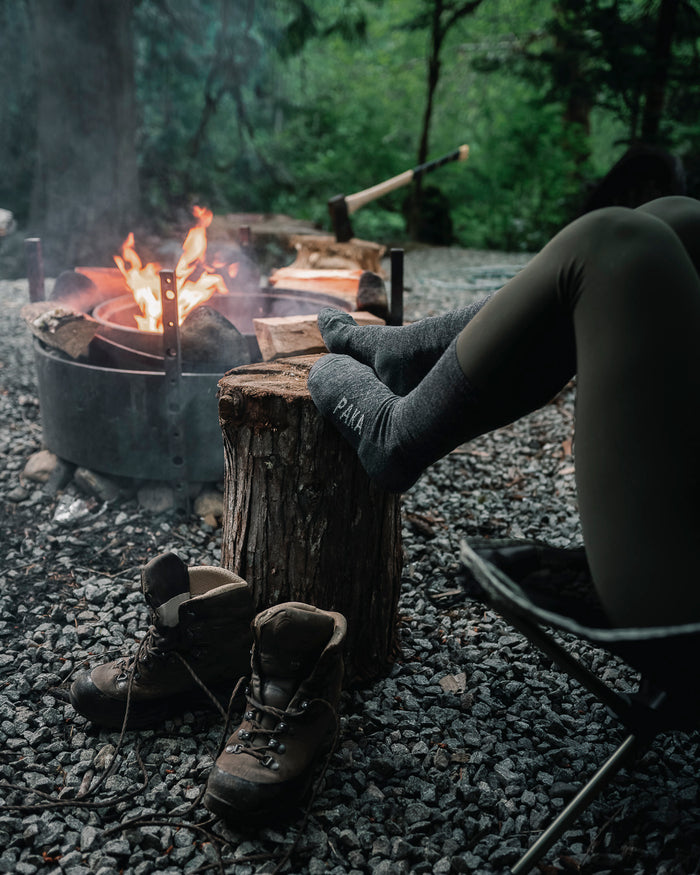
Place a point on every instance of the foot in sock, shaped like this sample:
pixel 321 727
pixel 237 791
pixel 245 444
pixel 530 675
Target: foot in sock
pixel 395 438
pixel 400 355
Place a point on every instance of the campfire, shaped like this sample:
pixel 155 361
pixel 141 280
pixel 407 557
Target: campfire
pixel 128 391
pixel 196 281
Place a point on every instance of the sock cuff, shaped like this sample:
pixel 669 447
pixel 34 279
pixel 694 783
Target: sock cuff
pixel 461 381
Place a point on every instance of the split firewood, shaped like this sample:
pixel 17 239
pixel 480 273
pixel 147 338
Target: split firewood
pixel 342 284
pixel 60 327
pixel 282 336
pixel 326 253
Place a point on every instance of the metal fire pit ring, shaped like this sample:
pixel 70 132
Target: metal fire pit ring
pixel 116 420
pixel 118 325
pixel 127 422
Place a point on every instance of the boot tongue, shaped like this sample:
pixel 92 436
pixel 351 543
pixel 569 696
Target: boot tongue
pixel 290 644
pixel 165 582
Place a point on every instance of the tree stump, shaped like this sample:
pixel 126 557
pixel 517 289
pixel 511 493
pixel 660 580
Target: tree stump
pixel 302 521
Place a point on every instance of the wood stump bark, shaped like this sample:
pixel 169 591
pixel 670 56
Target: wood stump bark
pixel 302 520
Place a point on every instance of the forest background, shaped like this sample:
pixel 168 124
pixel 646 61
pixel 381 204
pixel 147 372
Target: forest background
pixel 118 114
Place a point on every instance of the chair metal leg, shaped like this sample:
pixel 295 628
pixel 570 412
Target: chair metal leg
pixel 624 753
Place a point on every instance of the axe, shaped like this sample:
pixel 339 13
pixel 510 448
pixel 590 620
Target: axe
pixel 341 206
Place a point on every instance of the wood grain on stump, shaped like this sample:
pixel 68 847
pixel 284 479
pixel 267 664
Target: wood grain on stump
pixel 302 520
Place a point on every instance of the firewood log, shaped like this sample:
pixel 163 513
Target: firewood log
pixel 280 336
pixel 60 327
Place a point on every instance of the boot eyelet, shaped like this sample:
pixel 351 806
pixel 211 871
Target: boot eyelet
pixel 281 748
pixel 234 748
pixel 273 743
pixel 304 705
pixel 282 728
pixel 244 734
pixel 249 715
pixel 269 763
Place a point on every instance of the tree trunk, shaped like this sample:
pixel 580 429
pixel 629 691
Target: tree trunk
pixel 656 90
pixel 415 198
pixel 85 187
pixel 302 521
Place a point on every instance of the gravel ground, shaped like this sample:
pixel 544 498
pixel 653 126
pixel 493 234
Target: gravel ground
pixel 452 763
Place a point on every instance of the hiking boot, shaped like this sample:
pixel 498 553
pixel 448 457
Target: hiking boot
pixel 290 720
pixel 200 628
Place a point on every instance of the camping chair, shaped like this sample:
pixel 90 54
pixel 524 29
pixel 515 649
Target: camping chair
pixel 663 701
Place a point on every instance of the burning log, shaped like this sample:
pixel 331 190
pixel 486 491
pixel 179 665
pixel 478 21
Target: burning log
pixel 60 327
pixel 283 336
pixel 301 520
pixel 371 295
pixel 208 339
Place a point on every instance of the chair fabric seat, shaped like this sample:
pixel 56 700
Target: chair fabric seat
pixel 666 656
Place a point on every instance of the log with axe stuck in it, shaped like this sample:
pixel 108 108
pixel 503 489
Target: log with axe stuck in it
pixel 341 206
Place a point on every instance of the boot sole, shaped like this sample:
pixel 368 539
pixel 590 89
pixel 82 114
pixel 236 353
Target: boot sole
pixel 278 809
pixel 109 713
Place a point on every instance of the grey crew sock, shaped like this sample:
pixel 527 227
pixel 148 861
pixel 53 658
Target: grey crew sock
pixel 396 438
pixel 400 355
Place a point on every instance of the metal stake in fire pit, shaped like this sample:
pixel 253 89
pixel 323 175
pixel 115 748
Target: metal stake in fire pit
pixel 35 268
pixel 396 306
pixel 173 379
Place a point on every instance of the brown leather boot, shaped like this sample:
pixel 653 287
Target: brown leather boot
pixel 290 720
pixel 201 620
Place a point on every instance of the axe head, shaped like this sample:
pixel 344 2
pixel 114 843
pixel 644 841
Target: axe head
pixel 340 218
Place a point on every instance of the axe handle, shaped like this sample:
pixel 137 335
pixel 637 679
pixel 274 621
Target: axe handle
pixel 360 198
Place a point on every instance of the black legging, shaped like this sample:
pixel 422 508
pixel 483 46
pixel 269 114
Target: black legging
pixel 615 299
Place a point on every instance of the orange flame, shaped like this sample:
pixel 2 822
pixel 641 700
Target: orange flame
pixel 196 281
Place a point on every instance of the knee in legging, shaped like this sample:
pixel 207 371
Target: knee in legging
pixel 613 227
pixel 682 215
pixel 613 249
pixel 672 209
pixel 621 234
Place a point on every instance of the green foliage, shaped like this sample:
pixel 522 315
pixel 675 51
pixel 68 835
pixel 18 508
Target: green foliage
pixel 276 105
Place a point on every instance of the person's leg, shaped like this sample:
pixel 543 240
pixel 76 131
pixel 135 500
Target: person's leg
pixel 634 296
pixel 592 298
pixel 395 437
pixel 528 338
pixel 400 355
pixel 683 215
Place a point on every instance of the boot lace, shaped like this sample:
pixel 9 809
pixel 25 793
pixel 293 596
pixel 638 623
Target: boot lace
pixel 261 738
pixel 153 647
